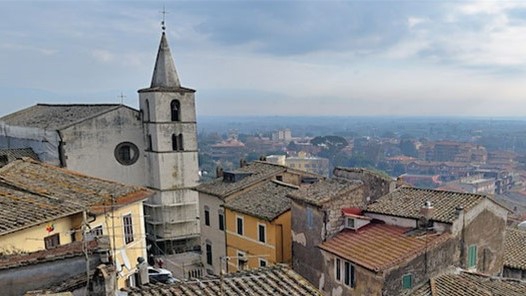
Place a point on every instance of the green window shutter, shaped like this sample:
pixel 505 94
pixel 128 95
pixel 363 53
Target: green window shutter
pixel 407 281
pixel 472 256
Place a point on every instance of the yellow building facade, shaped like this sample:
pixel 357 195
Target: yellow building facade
pixel 251 249
pixel 258 227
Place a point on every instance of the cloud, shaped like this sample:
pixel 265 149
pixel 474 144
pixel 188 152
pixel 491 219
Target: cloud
pixel 102 55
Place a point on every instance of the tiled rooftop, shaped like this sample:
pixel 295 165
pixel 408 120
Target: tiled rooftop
pixel 32 192
pixel 15 153
pixel 515 249
pixel 20 209
pixel 470 284
pixel 54 117
pixel 406 202
pixel 259 172
pixel 379 246
pixel 266 201
pixel 325 190
pixel 271 281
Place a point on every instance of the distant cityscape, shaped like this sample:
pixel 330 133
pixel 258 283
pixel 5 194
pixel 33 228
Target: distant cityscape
pixel 107 199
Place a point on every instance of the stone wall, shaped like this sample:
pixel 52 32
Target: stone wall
pixel 307 234
pixel 422 267
pixel 376 185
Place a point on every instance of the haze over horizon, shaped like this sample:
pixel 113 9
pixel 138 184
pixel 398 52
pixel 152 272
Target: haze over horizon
pixel 286 58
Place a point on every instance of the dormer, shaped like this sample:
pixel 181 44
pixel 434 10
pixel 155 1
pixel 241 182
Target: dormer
pixel 353 218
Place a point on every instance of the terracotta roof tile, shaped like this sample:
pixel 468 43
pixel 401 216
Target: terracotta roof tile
pixel 32 193
pixel 406 202
pixel 266 201
pixel 259 171
pixel 271 281
pixel 325 190
pixel 378 246
pixel 515 249
pixel 470 284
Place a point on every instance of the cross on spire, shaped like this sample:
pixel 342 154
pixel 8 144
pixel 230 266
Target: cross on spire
pixel 163 12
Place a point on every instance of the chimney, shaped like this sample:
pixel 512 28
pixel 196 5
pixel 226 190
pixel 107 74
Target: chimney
pixel 219 172
pixel 427 211
pixel 242 162
pixel 103 281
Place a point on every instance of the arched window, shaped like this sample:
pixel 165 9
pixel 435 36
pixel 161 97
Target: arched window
pixel 180 142
pixel 177 142
pixel 147 110
pixel 175 108
pixel 174 142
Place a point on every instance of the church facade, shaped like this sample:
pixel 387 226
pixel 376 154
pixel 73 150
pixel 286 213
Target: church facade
pixel 155 147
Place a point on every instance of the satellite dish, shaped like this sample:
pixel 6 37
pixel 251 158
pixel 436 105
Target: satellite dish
pixel 522 225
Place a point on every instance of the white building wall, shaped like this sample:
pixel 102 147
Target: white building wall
pixel 89 146
pixel 212 233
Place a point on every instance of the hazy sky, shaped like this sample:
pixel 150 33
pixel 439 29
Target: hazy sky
pixel 273 57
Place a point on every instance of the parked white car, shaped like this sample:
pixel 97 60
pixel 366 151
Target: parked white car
pixel 161 275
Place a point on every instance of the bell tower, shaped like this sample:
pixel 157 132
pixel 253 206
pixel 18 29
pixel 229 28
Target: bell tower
pixel 169 121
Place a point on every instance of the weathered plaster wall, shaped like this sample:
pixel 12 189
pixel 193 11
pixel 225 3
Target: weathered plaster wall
pixel 367 282
pixel 212 233
pixel 486 230
pixel 307 259
pixel 422 267
pixel 90 146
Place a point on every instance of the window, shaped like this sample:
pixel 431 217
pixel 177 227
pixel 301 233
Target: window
pixel 175 106
pixel 262 262
pixel 338 270
pixel 95 232
pixel 240 225
pixel 407 281
pixel 221 220
pixel 208 253
pixel 472 256
pixel 207 216
pixel 52 241
pixel 262 233
pixel 128 228
pixel 348 274
pixel 177 142
pixel 126 153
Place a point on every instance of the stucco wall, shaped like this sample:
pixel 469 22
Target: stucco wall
pixel 32 239
pixel 367 282
pixel 212 233
pixel 307 259
pixel 90 146
pixel 271 250
pixel 486 231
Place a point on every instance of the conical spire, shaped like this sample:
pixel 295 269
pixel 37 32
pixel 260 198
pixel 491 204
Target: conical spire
pixel 164 73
